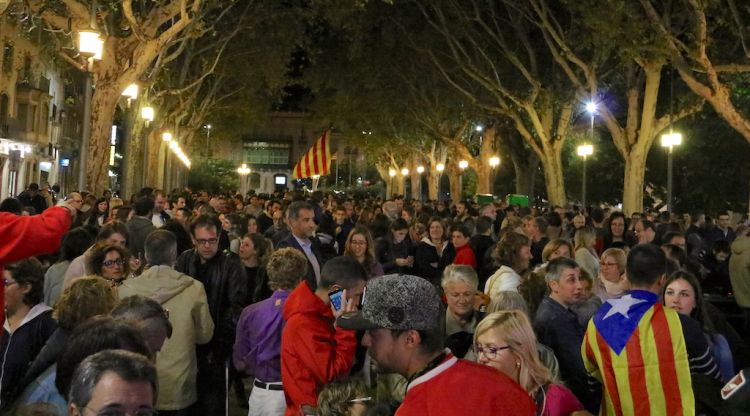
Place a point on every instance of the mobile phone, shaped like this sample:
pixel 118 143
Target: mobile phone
pixel 335 297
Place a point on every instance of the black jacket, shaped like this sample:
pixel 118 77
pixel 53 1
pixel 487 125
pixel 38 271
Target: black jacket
pixel 290 241
pixel 225 282
pixel 428 264
pixel 387 252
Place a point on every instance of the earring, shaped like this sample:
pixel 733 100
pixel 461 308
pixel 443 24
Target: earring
pixel 518 364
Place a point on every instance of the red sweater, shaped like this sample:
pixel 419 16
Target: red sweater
pixel 465 255
pixel 313 351
pixel 461 387
pixel 25 236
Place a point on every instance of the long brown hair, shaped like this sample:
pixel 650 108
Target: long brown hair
pixel 369 253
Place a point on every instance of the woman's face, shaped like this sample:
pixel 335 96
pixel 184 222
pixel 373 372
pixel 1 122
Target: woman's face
pixel 103 206
pixel 680 296
pixel 562 251
pixel 358 245
pixel 579 221
pixel 436 230
pixel 247 248
pixel 113 266
pixel 225 224
pixel 399 235
pixel 609 269
pixel 14 292
pixel 617 227
pixel 460 297
pixel 494 355
pixel 523 258
pixel 252 226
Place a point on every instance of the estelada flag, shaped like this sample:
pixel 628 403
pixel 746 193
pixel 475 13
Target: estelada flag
pixel 317 160
pixel 635 347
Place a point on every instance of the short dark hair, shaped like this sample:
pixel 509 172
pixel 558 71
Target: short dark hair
pixel 205 221
pixel 648 224
pixel 344 271
pixel 646 264
pixel 139 311
pixel 295 207
pixel 112 228
pixel 11 205
pixel 29 272
pixel 33 186
pixel 399 224
pixel 96 334
pixel 74 243
pixel 143 206
pixel 160 247
pixel 431 340
pixel 461 228
pixel 127 365
pixel 483 224
pixel 670 235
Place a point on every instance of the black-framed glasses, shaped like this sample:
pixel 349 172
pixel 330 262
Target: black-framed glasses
pixel 487 351
pixel 113 263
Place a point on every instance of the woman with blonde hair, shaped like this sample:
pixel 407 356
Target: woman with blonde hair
pixel 611 281
pixel 585 253
pixel 505 341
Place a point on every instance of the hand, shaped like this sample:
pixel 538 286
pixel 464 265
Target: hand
pixel 402 262
pixel 70 207
pixel 135 263
pixel 480 300
pixel 347 306
pixel 410 261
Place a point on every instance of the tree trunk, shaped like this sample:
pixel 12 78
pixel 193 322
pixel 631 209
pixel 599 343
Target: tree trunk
pixel 553 176
pixel 456 184
pixel 635 171
pixel 484 176
pixel 103 104
pixel 416 182
pixel 134 153
pixel 433 183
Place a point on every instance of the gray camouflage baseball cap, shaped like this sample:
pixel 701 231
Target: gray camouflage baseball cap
pixel 396 301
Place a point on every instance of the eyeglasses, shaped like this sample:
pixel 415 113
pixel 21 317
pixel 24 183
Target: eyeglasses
pixel 489 352
pixel 119 411
pixel 207 242
pixel 8 282
pixel 113 263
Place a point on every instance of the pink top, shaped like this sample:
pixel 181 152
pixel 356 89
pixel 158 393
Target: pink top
pixel 558 401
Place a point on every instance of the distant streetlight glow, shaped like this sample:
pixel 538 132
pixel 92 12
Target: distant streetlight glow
pixel 494 161
pixel 440 167
pixel 147 113
pixel 404 171
pixel 166 136
pixel 585 150
pixel 592 107
pixel 391 172
pixel 463 164
pixel 479 128
pixel 131 92
pixel 671 139
pixel 420 169
pixel 89 44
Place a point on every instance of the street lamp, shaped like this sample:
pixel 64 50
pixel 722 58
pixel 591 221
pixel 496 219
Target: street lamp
pixel 440 167
pixel 90 46
pixel 243 171
pixel 147 114
pixel 208 136
pixel 166 136
pixel 420 171
pixel 131 93
pixel 584 151
pixel 494 162
pixel 670 140
pixel 462 164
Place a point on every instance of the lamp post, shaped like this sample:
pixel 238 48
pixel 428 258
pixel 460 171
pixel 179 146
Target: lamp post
pixel 89 46
pixel 404 174
pixel 670 140
pixel 584 151
pixel 208 137
pixel 494 162
pixel 440 167
pixel 420 171
pixel 147 114
pixel 463 164
pixel 392 174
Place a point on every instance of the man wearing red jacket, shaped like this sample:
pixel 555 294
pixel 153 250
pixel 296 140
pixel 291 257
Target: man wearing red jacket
pixel 26 236
pixel 314 351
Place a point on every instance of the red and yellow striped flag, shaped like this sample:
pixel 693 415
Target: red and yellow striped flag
pixel 644 371
pixel 317 160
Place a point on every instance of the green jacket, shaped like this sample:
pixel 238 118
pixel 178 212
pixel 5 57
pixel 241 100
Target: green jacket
pixel 739 270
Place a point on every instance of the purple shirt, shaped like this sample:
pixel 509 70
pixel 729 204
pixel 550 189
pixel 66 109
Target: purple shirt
pixel 257 348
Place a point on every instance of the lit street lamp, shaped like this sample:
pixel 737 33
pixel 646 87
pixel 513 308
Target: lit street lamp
pixel 392 174
pixel 584 151
pixel 494 162
pixel 463 164
pixel 243 171
pixel 208 137
pixel 420 171
pixel 166 136
pixel 670 140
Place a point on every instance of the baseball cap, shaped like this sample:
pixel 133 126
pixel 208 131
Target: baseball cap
pixel 396 301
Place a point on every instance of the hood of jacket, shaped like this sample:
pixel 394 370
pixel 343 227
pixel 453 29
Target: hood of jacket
pixel 35 311
pixel 302 301
pixel 427 240
pixel 741 245
pixel 160 283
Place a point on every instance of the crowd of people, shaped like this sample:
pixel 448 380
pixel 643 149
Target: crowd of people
pixel 327 304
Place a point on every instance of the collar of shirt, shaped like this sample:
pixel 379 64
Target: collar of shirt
pixel 305 244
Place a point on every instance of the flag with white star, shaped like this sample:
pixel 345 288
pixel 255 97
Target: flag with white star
pixel 617 319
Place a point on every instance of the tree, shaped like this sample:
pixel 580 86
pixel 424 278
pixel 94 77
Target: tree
pixel 134 35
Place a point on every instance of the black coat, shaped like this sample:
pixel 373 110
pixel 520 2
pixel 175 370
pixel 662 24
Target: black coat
pixel 290 241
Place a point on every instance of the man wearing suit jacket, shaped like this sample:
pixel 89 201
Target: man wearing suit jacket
pixel 301 219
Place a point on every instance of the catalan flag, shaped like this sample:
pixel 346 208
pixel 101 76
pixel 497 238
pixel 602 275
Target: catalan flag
pixel 636 348
pixel 317 160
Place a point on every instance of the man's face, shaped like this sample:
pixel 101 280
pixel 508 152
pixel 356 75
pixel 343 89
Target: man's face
pixel 180 216
pixel 304 225
pixel 460 297
pixel 724 221
pixel 679 241
pixel 460 209
pixel 459 239
pixel 645 235
pixel 206 241
pixel 349 206
pixel 254 201
pixel 275 207
pixel 399 203
pixel 113 395
pixel 159 204
pixel 569 289
pixel 181 203
pixel 339 215
pixel 387 351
